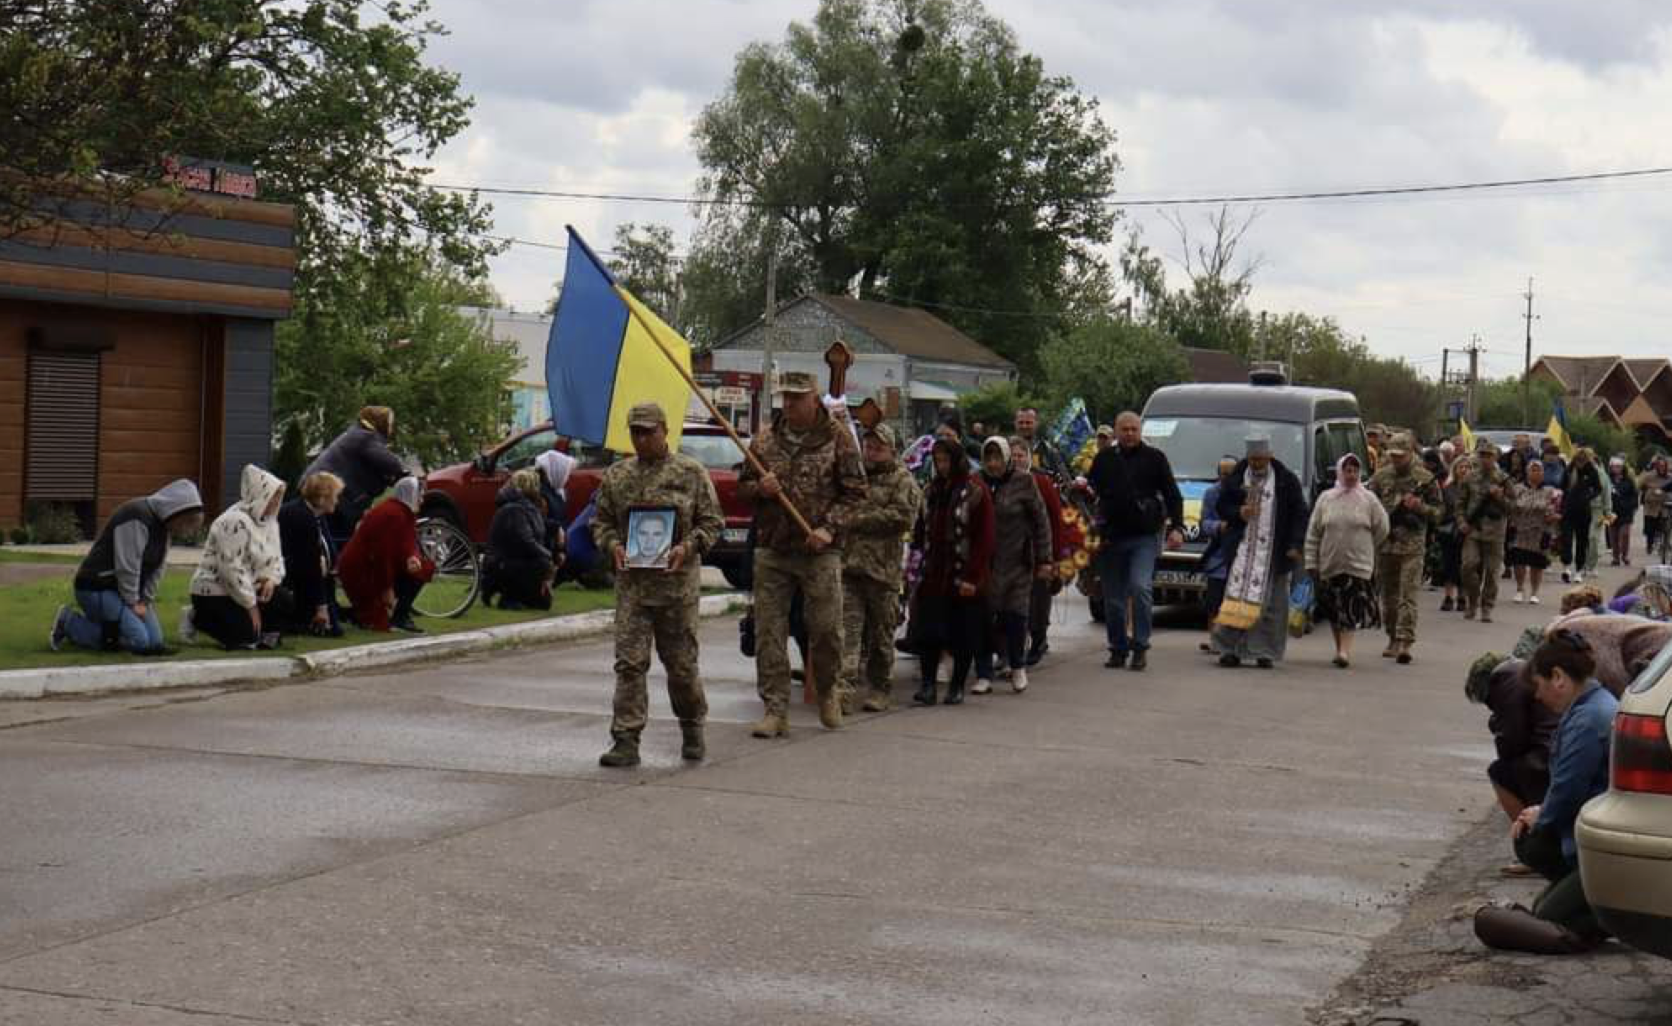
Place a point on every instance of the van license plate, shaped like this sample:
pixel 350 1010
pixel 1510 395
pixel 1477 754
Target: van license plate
pixel 1179 578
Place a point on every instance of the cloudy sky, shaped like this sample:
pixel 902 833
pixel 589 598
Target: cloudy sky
pixel 1209 97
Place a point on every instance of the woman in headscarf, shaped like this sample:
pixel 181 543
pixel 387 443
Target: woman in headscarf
pixel 240 569
pixel 519 566
pixel 360 456
pixel 1021 553
pixel 1534 511
pixel 381 569
pixel 554 468
pixel 955 538
pixel 1348 525
pixel 1266 512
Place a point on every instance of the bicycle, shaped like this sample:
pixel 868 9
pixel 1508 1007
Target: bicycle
pixel 458 570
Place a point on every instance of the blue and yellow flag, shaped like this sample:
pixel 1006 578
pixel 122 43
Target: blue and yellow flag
pixel 607 351
pixel 1557 430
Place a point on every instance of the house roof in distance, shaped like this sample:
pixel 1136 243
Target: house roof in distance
pixel 906 330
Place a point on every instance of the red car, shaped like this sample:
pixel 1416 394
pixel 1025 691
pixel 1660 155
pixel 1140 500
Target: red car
pixel 464 492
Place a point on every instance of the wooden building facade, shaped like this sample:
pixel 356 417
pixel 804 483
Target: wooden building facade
pixel 136 347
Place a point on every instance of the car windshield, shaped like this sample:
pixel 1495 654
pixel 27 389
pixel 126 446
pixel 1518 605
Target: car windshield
pixel 1195 445
pixel 716 452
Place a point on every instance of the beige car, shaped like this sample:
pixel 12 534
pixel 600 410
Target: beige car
pixel 1625 835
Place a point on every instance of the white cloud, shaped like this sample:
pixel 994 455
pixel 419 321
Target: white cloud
pixel 1207 96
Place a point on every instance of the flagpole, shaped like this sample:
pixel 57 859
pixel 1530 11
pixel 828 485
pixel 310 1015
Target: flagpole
pixel 725 422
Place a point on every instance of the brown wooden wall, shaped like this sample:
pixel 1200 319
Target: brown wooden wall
pixel 13 349
pixel 151 399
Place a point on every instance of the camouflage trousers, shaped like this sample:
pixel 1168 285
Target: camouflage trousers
pixel 870 613
pixel 1401 577
pixel 673 630
pixel 778 575
pixel 1483 559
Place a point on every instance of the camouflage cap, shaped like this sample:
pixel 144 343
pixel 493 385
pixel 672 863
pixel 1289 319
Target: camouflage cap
pixel 1105 431
pixel 1480 676
pixel 797 381
pixel 647 415
pixel 1484 444
pixel 883 434
pixel 1375 429
pixel 1401 443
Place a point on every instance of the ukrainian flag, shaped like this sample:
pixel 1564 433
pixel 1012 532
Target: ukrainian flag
pixel 1557 430
pixel 606 352
pixel 1468 436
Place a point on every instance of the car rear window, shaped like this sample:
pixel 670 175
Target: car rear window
pixel 1652 673
pixel 716 452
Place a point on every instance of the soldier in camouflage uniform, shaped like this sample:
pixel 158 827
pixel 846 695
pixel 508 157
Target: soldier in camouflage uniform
pixel 1412 499
pixel 654 605
pixel 812 460
pixel 1482 517
pixel 871 572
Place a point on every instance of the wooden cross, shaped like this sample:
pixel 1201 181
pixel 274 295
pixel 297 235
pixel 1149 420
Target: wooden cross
pixel 839 358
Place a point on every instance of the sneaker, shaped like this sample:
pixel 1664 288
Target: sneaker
pixel 1533 599
pixel 1519 598
pixel 1116 661
pixel 1140 659
pixel 983 686
pixel 1567 576
pixel 60 632
pixel 1019 680
pixel 188 625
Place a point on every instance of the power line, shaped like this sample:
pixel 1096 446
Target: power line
pixel 1176 201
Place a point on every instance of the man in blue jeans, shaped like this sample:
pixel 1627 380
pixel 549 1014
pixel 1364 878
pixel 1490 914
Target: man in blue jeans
pixel 116 585
pixel 1136 498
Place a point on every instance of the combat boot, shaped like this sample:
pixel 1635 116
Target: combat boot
pixel 848 700
pixel 693 748
pixel 830 710
pixel 878 701
pixel 1392 649
pixel 623 754
pixel 1403 656
pixel 771 725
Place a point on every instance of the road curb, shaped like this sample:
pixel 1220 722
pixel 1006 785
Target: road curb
pixel 46 682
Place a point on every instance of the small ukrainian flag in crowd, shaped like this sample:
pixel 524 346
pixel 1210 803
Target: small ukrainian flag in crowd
pixel 1558 432
pixel 606 352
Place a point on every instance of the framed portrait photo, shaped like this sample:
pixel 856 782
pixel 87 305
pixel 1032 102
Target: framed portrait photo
pixel 651 536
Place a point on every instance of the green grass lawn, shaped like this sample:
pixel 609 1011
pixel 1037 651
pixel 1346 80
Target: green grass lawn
pixel 11 555
pixel 26 612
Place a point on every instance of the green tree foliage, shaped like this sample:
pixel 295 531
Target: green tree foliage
pixel 388 331
pixel 725 274
pixel 1607 440
pixel 1498 403
pixel 1211 311
pixel 1112 364
pixel 995 405
pixel 331 101
pixel 643 261
pixel 1320 354
pixel 913 146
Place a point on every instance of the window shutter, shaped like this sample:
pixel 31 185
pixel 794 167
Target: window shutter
pixel 61 461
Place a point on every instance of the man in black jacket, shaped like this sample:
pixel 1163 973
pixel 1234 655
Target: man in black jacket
pixel 1136 498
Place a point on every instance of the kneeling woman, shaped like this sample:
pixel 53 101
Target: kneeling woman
pixel 381 569
pixel 519 566
pixel 955 536
pixel 241 568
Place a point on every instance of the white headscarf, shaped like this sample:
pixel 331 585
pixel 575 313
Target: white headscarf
pixel 1354 491
pixel 408 491
pixel 556 467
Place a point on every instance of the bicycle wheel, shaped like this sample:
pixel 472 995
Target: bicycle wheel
pixel 458 570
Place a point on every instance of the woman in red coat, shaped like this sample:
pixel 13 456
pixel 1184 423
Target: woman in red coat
pixel 381 568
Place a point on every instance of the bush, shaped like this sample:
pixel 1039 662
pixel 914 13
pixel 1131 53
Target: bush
pixel 53 523
pixel 1607 440
pixel 1112 365
pixel 20 536
pixel 995 405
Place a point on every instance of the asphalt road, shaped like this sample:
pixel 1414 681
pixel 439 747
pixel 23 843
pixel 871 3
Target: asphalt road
pixel 438 845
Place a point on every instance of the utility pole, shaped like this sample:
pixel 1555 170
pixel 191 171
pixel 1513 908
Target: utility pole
pixel 1527 362
pixel 1474 376
pixel 771 314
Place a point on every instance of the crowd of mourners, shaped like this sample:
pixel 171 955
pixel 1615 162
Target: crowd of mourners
pixel 270 567
pixel 968 539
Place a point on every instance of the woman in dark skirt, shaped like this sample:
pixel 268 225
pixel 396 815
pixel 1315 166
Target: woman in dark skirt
pixel 1534 513
pixel 1348 525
